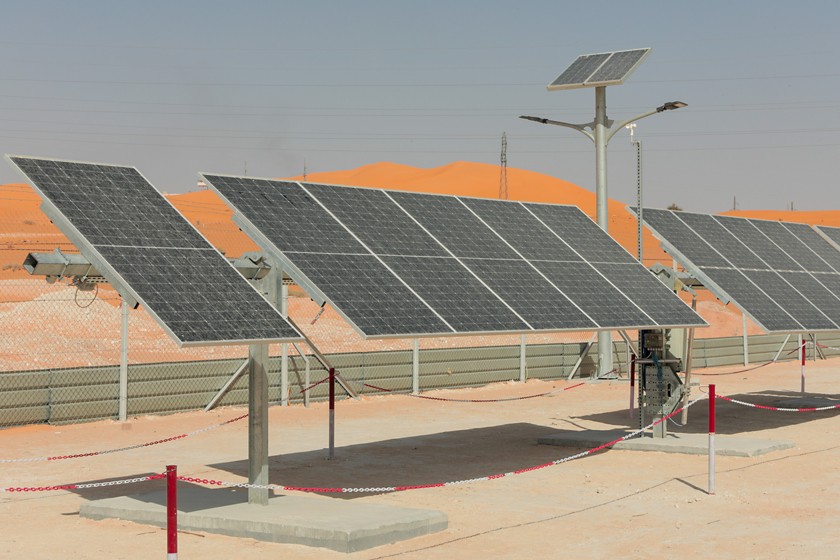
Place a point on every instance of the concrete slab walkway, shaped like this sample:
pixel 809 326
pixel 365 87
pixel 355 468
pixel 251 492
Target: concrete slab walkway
pixel 341 525
pixel 691 444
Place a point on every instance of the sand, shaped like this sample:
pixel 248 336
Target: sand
pixel 617 504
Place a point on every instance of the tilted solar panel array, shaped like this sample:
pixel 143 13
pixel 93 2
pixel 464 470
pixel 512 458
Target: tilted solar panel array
pixel 405 264
pixel 147 247
pixel 601 69
pixel 784 275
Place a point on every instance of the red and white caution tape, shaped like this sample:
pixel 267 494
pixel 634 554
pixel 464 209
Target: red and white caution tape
pixel 128 448
pixel 507 399
pixel 385 489
pixel 430 398
pixel 778 408
pixel 81 486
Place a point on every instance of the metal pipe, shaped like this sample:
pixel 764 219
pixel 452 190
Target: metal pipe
pixel 123 413
pixel 689 351
pixel 605 360
pixel 415 367
pixel 258 423
pixel 332 415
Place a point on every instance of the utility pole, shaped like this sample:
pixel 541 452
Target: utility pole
pixel 503 182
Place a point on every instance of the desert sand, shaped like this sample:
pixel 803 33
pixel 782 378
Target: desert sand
pixel 616 504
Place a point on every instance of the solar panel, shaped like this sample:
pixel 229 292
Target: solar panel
pixel 790 244
pixel 431 265
pixel 531 294
pixel 830 233
pixel 779 273
pixel 683 239
pixel 567 222
pixel 772 255
pixel 815 242
pixel 151 254
pixel 522 230
pixel 601 69
pixel 458 229
pixel 752 300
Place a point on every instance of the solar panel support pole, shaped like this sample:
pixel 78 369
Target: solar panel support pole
pixel 781 349
pixel 605 358
pixel 583 355
pixel 124 362
pixel 258 423
pixel 522 358
pixel 689 352
pixel 415 367
pixel 746 339
pixel 284 347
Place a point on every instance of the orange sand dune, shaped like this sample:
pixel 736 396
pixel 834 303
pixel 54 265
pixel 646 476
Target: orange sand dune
pixel 814 217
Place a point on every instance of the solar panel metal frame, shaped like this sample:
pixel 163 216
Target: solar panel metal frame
pixel 717 290
pixel 110 274
pixel 823 232
pixel 586 83
pixel 314 292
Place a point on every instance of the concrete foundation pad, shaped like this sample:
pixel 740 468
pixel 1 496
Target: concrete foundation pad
pixel 342 525
pixel 691 444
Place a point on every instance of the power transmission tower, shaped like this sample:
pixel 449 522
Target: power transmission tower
pixel 503 183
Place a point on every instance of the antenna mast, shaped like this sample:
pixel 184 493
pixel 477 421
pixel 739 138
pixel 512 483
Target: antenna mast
pixel 503 182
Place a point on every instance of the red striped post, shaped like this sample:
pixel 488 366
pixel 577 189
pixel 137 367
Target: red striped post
pixel 171 512
pixel 632 384
pixel 712 399
pixel 332 413
pixel 802 362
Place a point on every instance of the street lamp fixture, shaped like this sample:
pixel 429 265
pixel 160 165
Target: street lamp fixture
pixel 599 71
pixel 671 105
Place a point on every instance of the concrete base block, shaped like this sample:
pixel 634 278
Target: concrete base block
pixel 341 525
pixel 691 444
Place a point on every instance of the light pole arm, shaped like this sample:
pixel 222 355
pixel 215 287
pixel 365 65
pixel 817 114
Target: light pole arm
pixel 622 124
pixel 579 127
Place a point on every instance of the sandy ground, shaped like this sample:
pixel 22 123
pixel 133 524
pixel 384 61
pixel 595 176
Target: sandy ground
pixel 616 504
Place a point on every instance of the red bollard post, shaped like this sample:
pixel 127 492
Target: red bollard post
pixel 332 413
pixel 712 399
pixel 632 385
pixel 802 362
pixel 171 512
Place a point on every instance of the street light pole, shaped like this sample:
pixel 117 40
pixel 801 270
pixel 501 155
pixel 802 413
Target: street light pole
pixel 639 201
pixel 602 132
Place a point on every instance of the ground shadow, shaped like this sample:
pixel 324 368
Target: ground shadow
pixel 732 418
pixel 416 460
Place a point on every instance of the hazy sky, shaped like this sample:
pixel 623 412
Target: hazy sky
pixel 176 87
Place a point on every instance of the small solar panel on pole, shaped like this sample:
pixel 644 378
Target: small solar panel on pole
pixel 600 70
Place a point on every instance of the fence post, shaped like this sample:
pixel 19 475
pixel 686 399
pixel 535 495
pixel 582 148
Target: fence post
pixel 332 414
pixel 415 367
pixel 171 512
pixel 522 358
pixel 802 362
pixel 124 362
pixel 632 384
pixel 712 439
pixel 746 339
